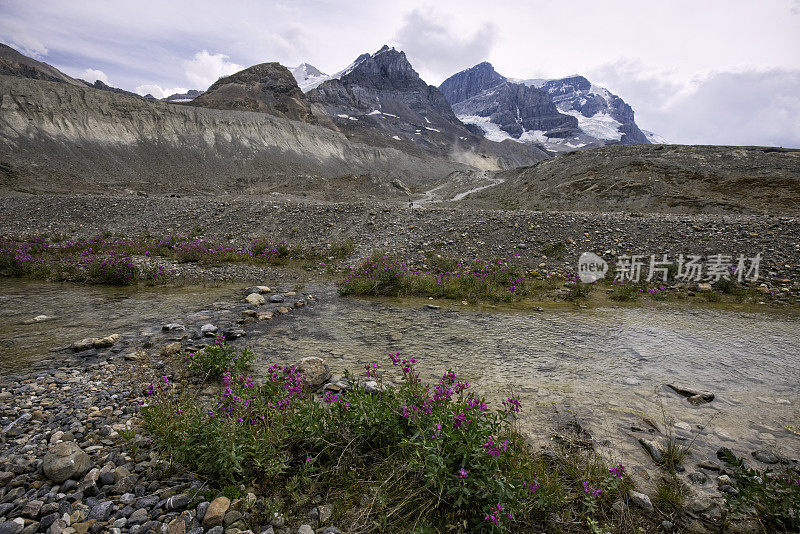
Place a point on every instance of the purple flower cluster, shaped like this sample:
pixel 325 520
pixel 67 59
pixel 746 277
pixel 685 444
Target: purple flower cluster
pixel 512 404
pixel 494 449
pixel 371 370
pixel 160 387
pixel 532 486
pixel 333 398
pixel 496 515
pixel 232 403
pixel 589 490
pixel 617 471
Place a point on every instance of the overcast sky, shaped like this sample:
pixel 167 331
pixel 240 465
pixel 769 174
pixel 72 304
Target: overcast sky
pixel 716 72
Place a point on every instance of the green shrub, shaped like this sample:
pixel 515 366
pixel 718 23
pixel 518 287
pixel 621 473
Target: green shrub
pixel 113 269
pixel 214 360
pixel 771 497
pixel 625 293
pixel 342 249
pixel 578 290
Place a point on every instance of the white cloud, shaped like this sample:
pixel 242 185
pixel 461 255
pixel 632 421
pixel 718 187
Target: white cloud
pixel 205 68
pixel 18 37
pixel 437 50
pixel 158 91
pixel 90 75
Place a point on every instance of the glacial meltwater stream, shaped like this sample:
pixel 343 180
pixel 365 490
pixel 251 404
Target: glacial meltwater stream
pixel 605 366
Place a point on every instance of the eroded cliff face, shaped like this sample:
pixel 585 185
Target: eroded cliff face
pixel 57 138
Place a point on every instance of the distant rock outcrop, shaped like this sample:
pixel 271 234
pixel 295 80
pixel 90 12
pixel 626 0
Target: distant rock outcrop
pixel 98 84
pixel 13 63
pixel 188 96
pixel 266 88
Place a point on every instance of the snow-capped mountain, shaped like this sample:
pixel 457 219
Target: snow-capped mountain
pixel 562 114
pixel 380 99
pixel 308 76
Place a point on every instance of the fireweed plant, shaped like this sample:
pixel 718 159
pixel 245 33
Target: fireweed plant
pixel 89 261
pixel 425 454
pixel 110 261
pixel 213 360
pixel 474 279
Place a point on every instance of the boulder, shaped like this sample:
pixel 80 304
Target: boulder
pixel 315 371
pixel 84 344
pixel 65 461
pixel 255 299
pixel 208 330
pixel 641 500
pixel 216 512
pixel 105 342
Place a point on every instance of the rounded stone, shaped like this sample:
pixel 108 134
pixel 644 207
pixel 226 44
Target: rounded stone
pixel 65 461
pixel 315 371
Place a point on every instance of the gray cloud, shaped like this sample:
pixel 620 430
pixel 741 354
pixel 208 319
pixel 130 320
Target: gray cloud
pixel 437 51
pixel 724 107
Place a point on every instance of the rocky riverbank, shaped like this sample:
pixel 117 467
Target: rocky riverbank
pixel 73 459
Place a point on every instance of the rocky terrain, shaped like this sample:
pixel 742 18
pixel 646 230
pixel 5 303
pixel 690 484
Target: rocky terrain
pixel 72 459
pixel 656 178
pixel 411 233
pixel 12 63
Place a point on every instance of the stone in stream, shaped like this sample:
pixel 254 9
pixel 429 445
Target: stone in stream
pixel 65 461
pixel 702 398
pixel 84 344
pixel 171 348
pixel 105 342
pixel 766 457
pixel 652 449
pixel 275 299
pixel 255 299
pixel 693 396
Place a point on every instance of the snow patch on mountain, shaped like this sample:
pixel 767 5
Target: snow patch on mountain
pixel 308 76
pixel 492 132
pixel 655 138
pixel 600 125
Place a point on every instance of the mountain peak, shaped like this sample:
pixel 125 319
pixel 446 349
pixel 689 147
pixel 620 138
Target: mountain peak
pixel 470 82
pixel 308 76
pixel 386 67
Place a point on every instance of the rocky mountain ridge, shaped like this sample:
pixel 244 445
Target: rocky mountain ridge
pixel 56 137
pixel 562 115
pixel 380 99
